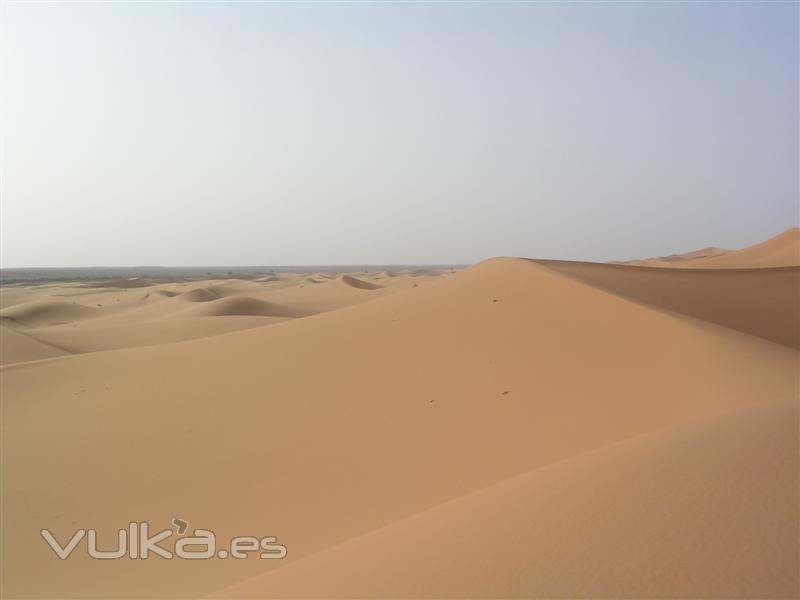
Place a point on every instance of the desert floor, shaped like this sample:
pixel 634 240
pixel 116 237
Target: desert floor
pixel 518 428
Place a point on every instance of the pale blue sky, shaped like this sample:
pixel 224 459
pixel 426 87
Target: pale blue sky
pixel 388 133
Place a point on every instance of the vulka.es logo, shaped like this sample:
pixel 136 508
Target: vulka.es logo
pixel 135 542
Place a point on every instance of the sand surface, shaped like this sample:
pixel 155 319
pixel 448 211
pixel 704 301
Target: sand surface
pixel 519 428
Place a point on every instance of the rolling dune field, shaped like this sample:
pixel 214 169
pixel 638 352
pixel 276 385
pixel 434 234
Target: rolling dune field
pixel 519 428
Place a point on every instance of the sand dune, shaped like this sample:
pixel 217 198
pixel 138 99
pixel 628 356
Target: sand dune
pixel 323 429
pixel 708 509
pixel 243 305
pixel 780 251
pixel 38 314
pixel 359 283
pixel 333 294
pixel 762 302
pixel 167 312
pixel 200 295
pixel 130 282
pixel 674 260
pixel 91 336
pixel 166 293
pixel 706 252
pixel 783 250
pixel 16 346
pixel 314 279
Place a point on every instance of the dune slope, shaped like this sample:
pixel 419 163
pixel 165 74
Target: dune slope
pixel 359 283
pixel 90 336
pixel 16 346
pixel 244 305
pixel 701 510
pixel 763 302
pixel 38 314
pixel 123 316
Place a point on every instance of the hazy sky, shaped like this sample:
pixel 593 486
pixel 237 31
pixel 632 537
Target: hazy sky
pixel 389 133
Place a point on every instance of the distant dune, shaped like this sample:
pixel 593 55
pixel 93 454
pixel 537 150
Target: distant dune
pixel 675 260
pixel 783 250
pixel 73 318
pixel 359 283
pixel 167 293
pixel 708 252
pixel 130 282
pixel 37 314
pixel 243 305
pixel 200 295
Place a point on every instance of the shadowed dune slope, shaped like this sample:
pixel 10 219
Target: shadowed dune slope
pixel 16 346
pixel 322 429
pixel 166 293
pixel 702 510
pixel 359 283
pixel 200 295
pixel 215 291
pixel 762 302
pixel 243 305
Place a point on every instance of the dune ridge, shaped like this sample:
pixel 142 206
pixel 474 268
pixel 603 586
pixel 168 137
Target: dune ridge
pixel 764 302
pixel 782 250
pixel 37 314
pixel 18 346
pixel 248 306
pixel 200 295
pixel 359 283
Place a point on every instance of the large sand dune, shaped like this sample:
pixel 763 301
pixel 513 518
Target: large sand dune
pixel 516 429
pixel 762 302
pixel 682 498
